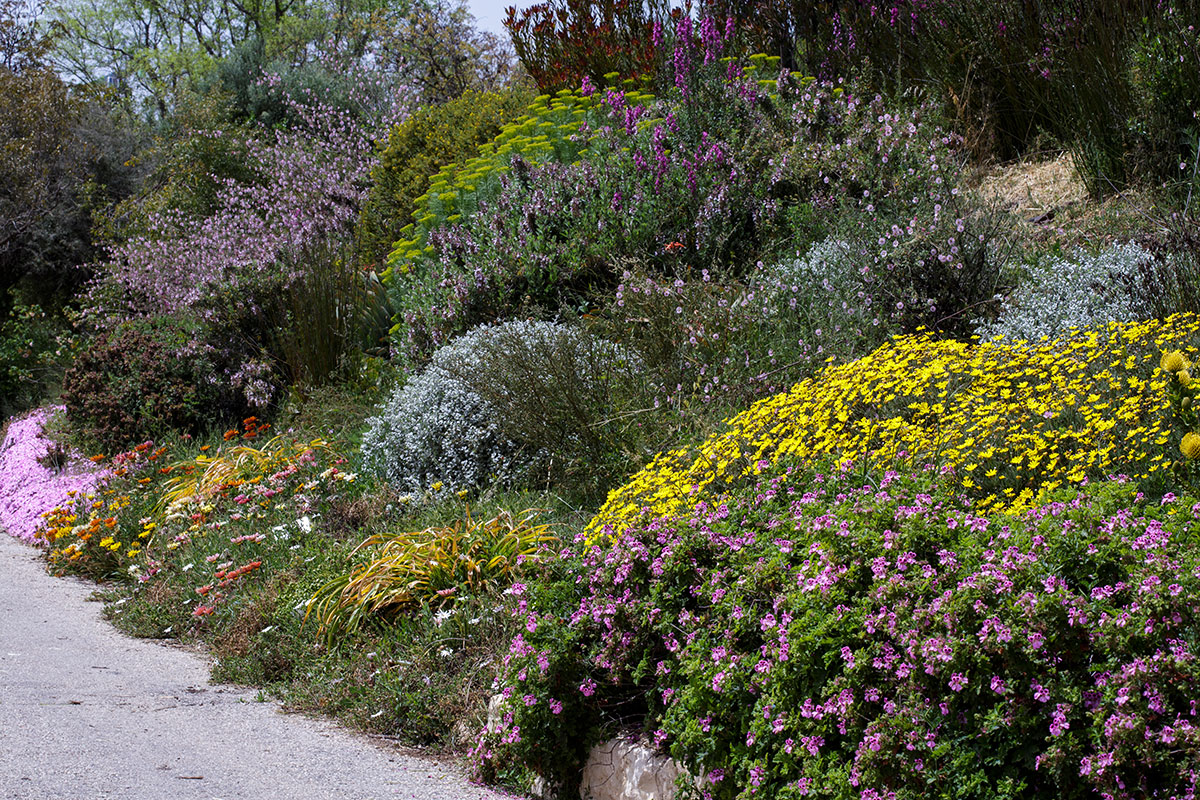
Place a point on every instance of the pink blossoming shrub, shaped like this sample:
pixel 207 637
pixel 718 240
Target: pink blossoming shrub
pixel 27 488
pixel 838 635
pixel 262 269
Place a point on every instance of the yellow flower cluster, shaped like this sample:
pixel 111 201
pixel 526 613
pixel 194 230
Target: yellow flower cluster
pixel 546 133
pixel 93 526
pixel 1011 420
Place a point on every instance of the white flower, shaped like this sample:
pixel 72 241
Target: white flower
pixel 304 524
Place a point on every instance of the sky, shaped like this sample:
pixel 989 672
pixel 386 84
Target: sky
pixel 489 13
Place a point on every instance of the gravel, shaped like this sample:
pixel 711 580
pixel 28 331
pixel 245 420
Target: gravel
pixel 88 713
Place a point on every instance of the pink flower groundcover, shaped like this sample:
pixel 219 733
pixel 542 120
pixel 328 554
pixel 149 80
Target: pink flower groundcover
pixel 28 488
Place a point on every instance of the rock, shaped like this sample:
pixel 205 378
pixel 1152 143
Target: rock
pixel 623 770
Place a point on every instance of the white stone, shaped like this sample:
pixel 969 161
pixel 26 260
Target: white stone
pixel 623 770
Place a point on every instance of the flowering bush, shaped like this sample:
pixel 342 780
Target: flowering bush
pixel 693 168
pixel 265 237
pixel 555 130
pixel 1077 291
pixel 888 180
pixel 832 305
pixel 1013 421
pixel 859 636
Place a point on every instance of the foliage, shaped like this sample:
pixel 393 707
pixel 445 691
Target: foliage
pixel 60 155
pixel 435 567
pixel 552 130
pixel 315 327
pixel 508 403
pixel 438 50
pixel 434 431
pixel 685 181
pixel 433 137
pixel 1012 421
pixel 156 59
pixel 29 356
pixel 798 32
pixel 1170 282
pixel 710 346
pixel 562 42
pixel 144 377
pixel 234 566
pixel 1075 291
pixel 558 391
pixel 1013 71
pixel 889 179
pixel 259 265
pixel 848 635
pixel 1164 97
pixel 153 53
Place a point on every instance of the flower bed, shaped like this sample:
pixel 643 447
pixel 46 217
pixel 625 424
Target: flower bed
pixel 29 487
pixel 1012 419
pixel 839 635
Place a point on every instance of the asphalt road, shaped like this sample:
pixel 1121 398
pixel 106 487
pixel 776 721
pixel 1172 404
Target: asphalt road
pixel 88 713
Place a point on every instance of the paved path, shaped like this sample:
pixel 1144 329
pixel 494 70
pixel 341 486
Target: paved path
pixel 87 713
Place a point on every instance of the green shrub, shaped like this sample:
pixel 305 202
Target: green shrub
pixel 417 149
pixel 553 130
pixel 142 379
pixel 28 362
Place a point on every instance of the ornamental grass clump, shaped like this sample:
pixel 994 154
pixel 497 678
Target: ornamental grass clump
pixel 1011 421
pixel 433 567
pixel 847 635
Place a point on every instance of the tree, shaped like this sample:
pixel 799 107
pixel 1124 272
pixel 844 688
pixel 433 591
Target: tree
pixel 40 170
pixel 153 51
pixel 60 152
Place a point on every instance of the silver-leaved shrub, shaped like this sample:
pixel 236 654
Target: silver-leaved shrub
pixel 497 405
pixel 1073 291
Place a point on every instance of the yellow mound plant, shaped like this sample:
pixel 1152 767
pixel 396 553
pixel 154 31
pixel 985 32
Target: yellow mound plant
pixel 1007 420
